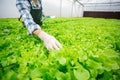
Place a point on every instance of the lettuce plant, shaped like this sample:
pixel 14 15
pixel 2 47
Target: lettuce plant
pixel 91 50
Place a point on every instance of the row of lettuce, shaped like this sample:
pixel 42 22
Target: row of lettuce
pixel 91 50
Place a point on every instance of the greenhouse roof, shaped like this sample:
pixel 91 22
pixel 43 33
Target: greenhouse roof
pixel 99 5
pixel 98 1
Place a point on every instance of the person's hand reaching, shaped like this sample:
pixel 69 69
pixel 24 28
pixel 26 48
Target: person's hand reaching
pixel 49 41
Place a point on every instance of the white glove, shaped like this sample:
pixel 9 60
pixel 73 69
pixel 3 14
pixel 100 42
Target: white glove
pixel 49 41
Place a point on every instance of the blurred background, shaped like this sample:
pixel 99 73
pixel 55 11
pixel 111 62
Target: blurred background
pixel 68 8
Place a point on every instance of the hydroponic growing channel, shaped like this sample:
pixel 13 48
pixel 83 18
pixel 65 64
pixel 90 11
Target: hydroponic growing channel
pixel 91 50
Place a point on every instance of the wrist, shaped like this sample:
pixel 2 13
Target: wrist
pixel 43 35
pixel 37 32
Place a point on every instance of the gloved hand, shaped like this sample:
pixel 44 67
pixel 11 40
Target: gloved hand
pixel 50 42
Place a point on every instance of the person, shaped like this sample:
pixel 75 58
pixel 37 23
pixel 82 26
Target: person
pixel 31 12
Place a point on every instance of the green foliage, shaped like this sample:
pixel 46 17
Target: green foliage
pixel 91 50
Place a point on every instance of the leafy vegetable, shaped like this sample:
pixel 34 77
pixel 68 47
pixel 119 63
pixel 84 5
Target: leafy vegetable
pixel 91 50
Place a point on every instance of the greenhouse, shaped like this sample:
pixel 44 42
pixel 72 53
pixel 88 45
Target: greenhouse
pixel 60 40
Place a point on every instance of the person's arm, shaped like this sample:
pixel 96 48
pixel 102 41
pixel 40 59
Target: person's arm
pixel 23 7
pixel 50 42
